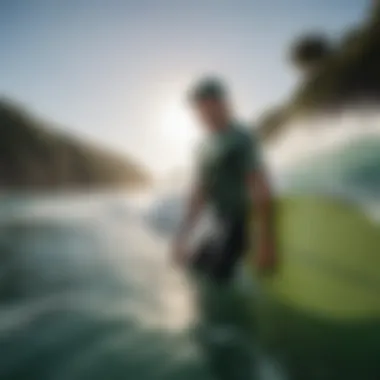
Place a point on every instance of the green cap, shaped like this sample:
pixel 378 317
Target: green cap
pixel 207 88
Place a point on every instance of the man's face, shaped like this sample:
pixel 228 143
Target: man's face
pixel 212 113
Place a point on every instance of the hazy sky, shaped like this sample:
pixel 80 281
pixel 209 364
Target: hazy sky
pixel 116 70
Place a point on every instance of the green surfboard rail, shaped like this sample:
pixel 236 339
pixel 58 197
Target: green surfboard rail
pixel 329 259
pixel 320 309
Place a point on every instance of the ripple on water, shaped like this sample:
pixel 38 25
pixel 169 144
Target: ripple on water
pixel 93 301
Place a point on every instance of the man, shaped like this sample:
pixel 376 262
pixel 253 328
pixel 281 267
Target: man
pixel 230 178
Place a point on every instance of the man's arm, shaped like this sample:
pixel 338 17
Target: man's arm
pixel 193 210
pixel 263 203
pixel 192 213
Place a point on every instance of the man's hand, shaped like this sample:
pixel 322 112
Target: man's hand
pixel 266 258
pixel 196 204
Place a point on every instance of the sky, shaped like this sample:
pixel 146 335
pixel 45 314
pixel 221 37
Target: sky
pixel 116 71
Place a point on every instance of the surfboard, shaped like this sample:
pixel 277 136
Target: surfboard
pixel 320 307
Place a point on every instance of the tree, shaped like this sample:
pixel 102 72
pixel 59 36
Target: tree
pixel 352 37
pixel 270 121
pixel 375 13
pixel 310 51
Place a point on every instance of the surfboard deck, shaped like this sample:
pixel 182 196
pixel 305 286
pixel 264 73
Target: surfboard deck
pixel 324 296
pixel 329 261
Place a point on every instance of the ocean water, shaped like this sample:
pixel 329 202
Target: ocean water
pixel 87 291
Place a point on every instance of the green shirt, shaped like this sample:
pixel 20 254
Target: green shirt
pixel 226 159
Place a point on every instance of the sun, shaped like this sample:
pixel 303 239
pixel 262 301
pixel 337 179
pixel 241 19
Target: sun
pixel 176 124
pixel 176 135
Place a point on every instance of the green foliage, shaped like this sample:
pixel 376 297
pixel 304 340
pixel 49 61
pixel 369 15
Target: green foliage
pixel 33 156
pixel 352 37
pixel 272 119
pixel 310 51
pixel 349 76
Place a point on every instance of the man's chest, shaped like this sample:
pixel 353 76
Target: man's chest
pixel 215 153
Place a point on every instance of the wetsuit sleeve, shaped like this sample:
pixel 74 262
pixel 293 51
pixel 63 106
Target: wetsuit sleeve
pixel 251 154
pixel 199 171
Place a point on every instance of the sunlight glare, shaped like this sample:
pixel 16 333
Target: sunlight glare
pixel 176 124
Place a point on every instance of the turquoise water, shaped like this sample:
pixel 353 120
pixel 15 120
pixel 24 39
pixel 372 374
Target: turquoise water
pixel 88 292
